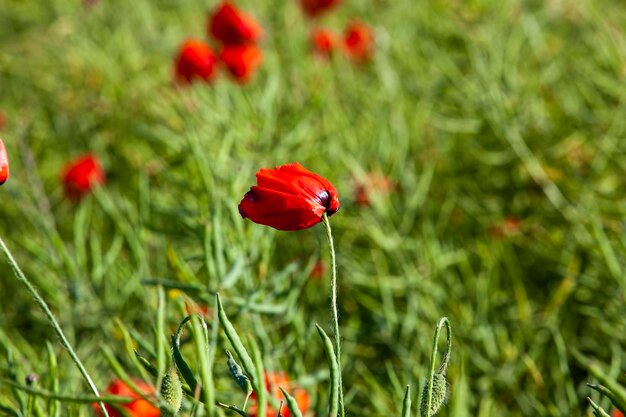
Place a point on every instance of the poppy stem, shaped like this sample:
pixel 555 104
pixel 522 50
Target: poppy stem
pixel 333 308
pixel 53 321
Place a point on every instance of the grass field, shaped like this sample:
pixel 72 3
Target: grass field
pixel 501 127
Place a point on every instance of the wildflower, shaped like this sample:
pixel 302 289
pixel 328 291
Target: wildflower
pixel 323 42
pixel 358 41
pixel 372 185
pixel 191 308
pixel 138 407
pixel 314 8
pixel 273 382
pixel 510 226
pixel 195 60
pixel 319 270
pixel 4 163
pixel 289 197
pixel 615 412
pixel 241 61
pixel 81 175
pixel 231 26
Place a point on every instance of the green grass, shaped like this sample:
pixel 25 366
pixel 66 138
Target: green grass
pixel 479 111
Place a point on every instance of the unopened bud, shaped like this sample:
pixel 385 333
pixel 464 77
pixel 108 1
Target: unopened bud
pixel 171 393
pixel 439 395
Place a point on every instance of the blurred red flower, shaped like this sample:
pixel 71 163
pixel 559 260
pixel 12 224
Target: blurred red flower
pixel 195 60
pixel 508 227
pixel 231 26
pixel 616 413
pixel 289 197
pixel 323 42
pixel 241 61
pixel 273 382
pixel 138 407
pixel 80 175
pixel 358 41
pixel 371 185
pixel 319 270
pixel 314 8
pixel 199 309
pixel 4 163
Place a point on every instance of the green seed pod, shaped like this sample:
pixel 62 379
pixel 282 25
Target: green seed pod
pixel 439 395
pixel 171 393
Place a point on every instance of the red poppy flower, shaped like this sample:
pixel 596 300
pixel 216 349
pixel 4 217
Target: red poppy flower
pixel 314 8
pixel 4 163
pixel 231 26
pixel 81 175
pixel 138 407
pixel 289 197
pixel 195 60
pixel 273 382
pixel 323 42
pixel 358 41
pixel 615 412
pixel 241 61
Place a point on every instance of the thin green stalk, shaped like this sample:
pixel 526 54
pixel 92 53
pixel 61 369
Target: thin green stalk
pixel 598 411
pixel 333 308
pixel 53 321
pixel 78 399
pixel 334 372
pixel 406 403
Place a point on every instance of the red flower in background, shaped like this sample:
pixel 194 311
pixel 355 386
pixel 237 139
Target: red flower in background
pixel 323 42
pixel 195 60
pixel 373 184
pixel 289 197
pixel 358 41
pixel 4 163
pixel 81 175
pixel 138 407
pixel 231 26
pixel 319 270
pixel 314 8
pixel 273 382
pixel 616 413
pixel 241 61
pixel 510 226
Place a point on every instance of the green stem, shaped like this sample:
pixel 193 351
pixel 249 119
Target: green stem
pixel 55 325
pixel 433 355
pixel 333 308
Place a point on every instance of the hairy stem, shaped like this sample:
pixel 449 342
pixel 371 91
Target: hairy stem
pixel 333 308
pixel 53 321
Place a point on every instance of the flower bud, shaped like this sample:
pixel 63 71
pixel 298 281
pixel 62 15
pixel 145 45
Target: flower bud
pixel 171 393
pixel 439 395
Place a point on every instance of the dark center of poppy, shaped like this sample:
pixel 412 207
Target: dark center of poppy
pixel 251 196
pixel 325 200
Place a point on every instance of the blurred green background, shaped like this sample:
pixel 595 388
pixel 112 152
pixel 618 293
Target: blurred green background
pixel 499 125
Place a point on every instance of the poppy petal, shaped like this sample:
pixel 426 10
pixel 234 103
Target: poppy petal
pixel 4 163
pixel 279 210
